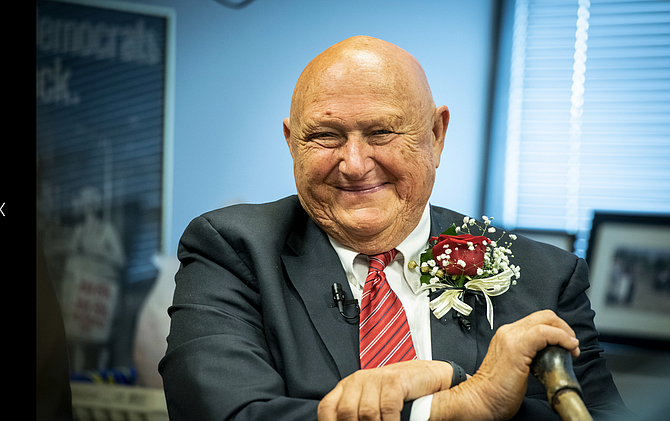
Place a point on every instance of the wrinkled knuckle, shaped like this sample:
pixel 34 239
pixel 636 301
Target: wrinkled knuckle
pixel 389 408
pixel 368 413
pixel 347 412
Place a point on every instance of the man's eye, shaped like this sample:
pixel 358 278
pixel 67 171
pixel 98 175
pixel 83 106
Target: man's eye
pixel 321 136
pixel 325 139
pixel 381 137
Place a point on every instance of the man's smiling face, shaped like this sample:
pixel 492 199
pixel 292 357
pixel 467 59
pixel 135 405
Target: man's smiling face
pixel 362 136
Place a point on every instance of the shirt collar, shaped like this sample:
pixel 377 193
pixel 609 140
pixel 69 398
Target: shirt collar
pixel 409 249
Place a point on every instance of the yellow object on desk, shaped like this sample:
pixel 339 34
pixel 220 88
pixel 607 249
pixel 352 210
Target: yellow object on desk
pixel 102 402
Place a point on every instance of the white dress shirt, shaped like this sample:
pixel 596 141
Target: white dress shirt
pixel 405 283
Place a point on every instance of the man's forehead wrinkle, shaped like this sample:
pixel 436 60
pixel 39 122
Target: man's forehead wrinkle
pixel 369 105
pixel 326 117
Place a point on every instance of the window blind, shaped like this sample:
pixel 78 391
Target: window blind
pixel 588 113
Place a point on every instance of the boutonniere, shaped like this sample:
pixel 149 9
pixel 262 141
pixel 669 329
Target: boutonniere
pixel 457 261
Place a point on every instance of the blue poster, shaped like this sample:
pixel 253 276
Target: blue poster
pixel 101 142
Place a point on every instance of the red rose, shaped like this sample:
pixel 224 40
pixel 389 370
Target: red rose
pixel 465 248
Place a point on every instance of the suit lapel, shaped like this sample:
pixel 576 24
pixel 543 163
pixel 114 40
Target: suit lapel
pixel 313 266
pixel 449 340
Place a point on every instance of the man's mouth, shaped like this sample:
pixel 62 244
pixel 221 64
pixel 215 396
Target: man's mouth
pixel 368 188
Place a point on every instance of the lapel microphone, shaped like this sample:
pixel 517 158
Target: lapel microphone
pixel 339 301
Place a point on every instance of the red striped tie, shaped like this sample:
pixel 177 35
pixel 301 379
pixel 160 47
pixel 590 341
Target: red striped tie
pixel 384 332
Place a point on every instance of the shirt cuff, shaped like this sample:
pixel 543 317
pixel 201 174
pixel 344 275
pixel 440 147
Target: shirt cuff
pixel 421 408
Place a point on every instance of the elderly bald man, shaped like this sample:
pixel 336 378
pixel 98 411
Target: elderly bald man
pixel 254 332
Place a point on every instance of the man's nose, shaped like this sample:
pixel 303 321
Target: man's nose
pixel 356 158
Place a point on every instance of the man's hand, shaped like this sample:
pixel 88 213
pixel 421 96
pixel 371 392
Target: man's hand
pixel 496 391
pixel 379 393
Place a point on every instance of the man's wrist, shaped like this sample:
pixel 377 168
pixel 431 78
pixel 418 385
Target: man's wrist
pixel 458 375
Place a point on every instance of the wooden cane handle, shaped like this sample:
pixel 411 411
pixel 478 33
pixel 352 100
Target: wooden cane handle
pixel 553 368
pixel 570 406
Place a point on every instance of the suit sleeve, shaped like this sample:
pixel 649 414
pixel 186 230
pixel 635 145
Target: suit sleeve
pixel 600 394
pixel 599 391
pixel 218 365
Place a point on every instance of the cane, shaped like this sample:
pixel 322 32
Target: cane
pixel 553 368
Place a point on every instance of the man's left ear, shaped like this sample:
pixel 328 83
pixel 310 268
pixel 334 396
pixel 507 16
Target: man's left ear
pixel 440 123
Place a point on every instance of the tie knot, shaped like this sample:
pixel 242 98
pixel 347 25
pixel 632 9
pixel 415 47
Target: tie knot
pixel 380 261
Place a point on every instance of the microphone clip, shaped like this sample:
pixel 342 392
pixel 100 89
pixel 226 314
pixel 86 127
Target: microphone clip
pixel 339 301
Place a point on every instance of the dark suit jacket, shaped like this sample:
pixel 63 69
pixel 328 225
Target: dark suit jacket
pixel 253 335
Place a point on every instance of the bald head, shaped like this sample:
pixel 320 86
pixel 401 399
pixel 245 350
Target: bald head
pixel 366 138
pixel 364 61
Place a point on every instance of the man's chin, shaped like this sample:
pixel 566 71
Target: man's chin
pixel 364 222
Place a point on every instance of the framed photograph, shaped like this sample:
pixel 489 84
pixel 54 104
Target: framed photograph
pixel 629 260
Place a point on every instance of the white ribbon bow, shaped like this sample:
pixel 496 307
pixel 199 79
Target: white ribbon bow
pixel 453 298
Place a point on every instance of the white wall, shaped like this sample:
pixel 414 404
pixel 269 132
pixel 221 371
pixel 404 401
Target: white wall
pixel 235 72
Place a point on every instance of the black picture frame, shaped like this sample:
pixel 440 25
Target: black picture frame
pixel 629 260
pixel 560 239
